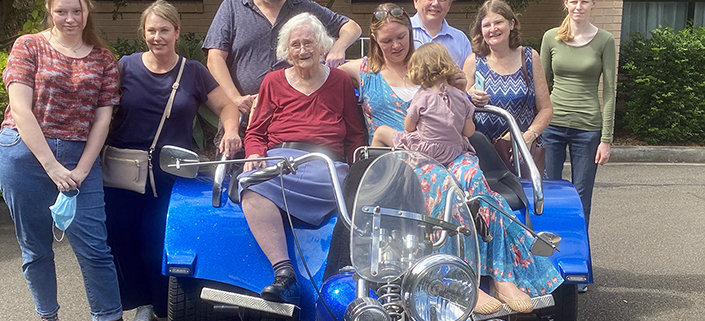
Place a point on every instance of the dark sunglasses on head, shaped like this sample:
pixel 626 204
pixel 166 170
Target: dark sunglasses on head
pixel 382 14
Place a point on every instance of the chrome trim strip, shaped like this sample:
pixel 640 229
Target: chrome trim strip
pixel 248 302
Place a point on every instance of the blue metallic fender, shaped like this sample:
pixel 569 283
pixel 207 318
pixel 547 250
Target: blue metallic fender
pixel 563 215
pixel 216 244
pixel 338 291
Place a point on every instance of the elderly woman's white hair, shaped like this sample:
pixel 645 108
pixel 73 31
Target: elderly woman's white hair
pixel 308 21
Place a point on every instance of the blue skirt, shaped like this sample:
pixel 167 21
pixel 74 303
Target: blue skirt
pixel 309 192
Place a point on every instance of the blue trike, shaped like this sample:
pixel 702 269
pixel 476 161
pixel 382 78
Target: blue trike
pixel 405 260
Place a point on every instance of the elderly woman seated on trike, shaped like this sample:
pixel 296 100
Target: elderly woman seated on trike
pixel 308 107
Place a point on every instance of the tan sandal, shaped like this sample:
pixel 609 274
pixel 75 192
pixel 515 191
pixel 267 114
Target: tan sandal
pixel 521 306
pixel 491 307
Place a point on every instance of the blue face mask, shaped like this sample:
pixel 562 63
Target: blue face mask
pixel 64 210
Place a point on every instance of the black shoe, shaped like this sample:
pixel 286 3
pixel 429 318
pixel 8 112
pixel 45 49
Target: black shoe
pixel 284 288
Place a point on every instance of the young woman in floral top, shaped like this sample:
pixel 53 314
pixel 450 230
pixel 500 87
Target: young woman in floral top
pixel 62 83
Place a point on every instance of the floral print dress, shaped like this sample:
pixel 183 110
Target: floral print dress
pixel 507 256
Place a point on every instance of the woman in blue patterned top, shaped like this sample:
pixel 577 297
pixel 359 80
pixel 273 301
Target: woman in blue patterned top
pixel 386 93
pixel 497 58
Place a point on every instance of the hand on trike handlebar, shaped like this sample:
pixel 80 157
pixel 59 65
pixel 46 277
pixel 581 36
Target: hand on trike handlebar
pixel 254 164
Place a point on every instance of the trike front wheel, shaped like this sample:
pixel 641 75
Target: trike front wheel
pixel 185 304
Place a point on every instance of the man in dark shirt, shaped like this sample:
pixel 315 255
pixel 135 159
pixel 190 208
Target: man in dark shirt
pixel 242 39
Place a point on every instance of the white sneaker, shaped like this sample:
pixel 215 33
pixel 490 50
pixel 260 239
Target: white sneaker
pixel 144 313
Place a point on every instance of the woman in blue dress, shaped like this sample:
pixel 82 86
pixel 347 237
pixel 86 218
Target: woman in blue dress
pixel 386 93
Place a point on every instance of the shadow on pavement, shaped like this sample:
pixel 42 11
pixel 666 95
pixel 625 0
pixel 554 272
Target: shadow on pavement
pixel 624 295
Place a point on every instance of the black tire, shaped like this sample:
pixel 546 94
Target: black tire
pixel 185 304
pixel 566 308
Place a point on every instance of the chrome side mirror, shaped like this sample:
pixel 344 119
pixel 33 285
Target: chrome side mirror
pixel 541 246
pixel 171 159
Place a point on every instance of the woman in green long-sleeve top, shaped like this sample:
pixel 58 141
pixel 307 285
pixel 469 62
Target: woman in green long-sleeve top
pixel 574 57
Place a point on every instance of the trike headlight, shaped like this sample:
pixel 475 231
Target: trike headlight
pixel 366 309
pixel 439 287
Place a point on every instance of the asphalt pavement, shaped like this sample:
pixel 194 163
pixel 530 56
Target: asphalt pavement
pixel 646 237
pixel 15 300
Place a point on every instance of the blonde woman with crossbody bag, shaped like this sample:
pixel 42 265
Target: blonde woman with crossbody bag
pixel 144 122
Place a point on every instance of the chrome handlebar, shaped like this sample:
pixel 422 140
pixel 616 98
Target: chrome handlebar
pixel 522 149
pixel 290 165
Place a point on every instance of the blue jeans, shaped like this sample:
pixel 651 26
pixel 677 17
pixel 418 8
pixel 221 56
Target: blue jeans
pixel 583 148
pixel 28 192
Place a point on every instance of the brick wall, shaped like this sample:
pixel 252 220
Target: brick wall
pixel 608 15
pixel 196 16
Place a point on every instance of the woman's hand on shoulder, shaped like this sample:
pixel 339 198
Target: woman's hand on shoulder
pixel 254 164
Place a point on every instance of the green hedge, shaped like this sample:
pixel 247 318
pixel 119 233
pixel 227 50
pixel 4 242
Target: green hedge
pixel 663 85
pixel 3 94
pixel 189 46
pixel 533 42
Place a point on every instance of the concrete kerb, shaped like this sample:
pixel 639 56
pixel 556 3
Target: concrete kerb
pixel 657 154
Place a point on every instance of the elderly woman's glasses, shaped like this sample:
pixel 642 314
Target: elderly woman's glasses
pixel 382 14
pixel 298 45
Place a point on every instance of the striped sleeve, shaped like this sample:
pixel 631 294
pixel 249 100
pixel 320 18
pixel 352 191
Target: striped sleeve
pixel 22 62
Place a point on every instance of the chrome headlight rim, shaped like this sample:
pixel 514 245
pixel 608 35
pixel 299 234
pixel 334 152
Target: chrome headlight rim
pixel 366 308
pixel 420 270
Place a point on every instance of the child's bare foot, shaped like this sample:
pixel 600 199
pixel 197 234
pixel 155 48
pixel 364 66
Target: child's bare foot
pixel 516 299
pixel 487 304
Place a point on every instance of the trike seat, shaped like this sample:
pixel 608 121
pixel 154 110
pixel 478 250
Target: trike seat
pixel 500 179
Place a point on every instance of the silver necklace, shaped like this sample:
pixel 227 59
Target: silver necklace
pixel 73 49
pixel 403 77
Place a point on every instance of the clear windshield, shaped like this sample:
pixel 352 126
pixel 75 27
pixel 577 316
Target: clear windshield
pixel 400 195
